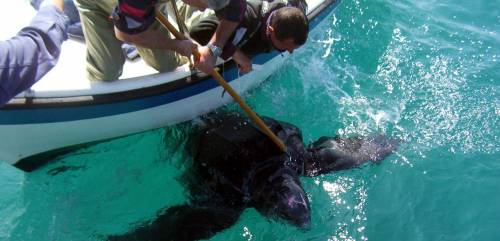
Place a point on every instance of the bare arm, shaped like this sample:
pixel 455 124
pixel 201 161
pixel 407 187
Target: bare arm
pixel 223 32
pixel 244 63
pixel 156 40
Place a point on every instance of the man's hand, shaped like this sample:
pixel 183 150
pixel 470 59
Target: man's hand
pixel 185 47
pixel 243 61
pixel 59 4
pixel 207 60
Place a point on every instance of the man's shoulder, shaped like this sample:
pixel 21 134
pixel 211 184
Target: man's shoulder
pixel 234 11
pixel 137 3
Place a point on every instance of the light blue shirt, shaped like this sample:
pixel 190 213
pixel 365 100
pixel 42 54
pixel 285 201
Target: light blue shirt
pixel 28 56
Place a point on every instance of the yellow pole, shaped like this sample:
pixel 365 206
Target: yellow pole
pixel 256 119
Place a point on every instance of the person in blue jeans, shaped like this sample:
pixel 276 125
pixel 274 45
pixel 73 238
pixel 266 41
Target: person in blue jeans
pixel 34 51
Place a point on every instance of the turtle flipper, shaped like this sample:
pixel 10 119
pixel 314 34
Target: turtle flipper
pixel 333 153
pixel 184 223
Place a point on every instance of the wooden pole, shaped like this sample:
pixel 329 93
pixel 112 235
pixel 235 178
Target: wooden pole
pixel 256 119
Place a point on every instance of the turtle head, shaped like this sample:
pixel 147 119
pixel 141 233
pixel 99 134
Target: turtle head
pixel 281 196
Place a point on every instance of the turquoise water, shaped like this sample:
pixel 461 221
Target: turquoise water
pixel 425 71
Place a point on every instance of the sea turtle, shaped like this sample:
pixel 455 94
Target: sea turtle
pixel 235 166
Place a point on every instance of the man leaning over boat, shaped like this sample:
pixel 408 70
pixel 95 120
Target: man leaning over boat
pixel 34 51
pixel 134 21
pixel 280 25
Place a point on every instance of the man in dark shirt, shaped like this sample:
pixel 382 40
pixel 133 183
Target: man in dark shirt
pixel 230 17
pixel 267 25
pixel 134 21
pixel 28 56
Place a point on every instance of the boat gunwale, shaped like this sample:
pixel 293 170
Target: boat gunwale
pixel 106 98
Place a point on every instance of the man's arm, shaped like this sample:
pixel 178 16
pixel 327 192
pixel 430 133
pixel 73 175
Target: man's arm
pixel 133 18
pixel 243 61
pixel 156 40
pixel 230 17
pixel 223 32
pixel 27 57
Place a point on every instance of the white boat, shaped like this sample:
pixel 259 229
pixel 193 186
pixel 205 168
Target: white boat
pixel 65 109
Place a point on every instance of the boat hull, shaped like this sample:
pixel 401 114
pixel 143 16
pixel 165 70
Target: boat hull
pixel 74 125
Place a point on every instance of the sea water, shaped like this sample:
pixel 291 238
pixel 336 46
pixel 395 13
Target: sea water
pixel 426 72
